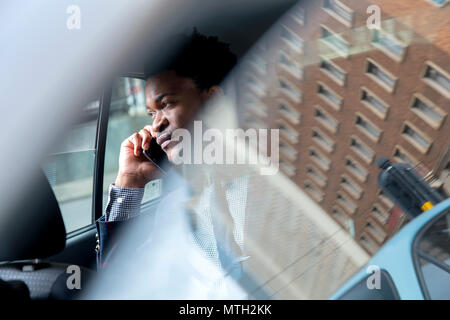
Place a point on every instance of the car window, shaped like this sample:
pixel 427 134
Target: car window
pixel 70 170
pixel 342 95
pixel 127 114
pixel 433 253
pixel 360 291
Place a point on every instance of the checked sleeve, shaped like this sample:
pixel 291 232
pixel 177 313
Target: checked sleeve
pixel 123 203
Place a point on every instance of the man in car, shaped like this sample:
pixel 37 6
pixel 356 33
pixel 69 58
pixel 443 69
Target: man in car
pixel 174 96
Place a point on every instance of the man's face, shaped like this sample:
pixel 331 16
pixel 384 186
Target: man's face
pixel 172 101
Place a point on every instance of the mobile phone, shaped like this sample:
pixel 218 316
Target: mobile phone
pixel 156 155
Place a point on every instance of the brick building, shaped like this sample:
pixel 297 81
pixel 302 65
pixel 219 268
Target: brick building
pixel 343 94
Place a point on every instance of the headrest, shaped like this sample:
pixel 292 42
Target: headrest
pixel 32 226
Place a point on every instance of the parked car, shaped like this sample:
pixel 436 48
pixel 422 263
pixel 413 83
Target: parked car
pixel 414 264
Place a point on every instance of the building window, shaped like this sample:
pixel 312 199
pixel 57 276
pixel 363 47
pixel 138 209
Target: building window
pixel 290 66
pixel 380 75
pixel 255 85
pixel 325 119
pixel 356 168
pixel 288 151
pixel 339 11
pixel 289 90
pixel 351 186
pixel 318 157
pixel 369 244
pixel 427 110
pixel 341 217
pixel 255 106
pixel 291 39
pixel 335 42
pixel 379 213
pixel 389 44
pixel 259 63
pixel 346 203
pixel 333 71
pixel 416 138
pixel 288 132
pixel 316 175
pixel 289 112
pixel 368 128
pixel 400 155
pixel 376 231
pixel 384 199
pixel 287 168
pixel 252 122
pixel 331 97
pixel 313 191
pixel 361 149
pixel 322 140
pixel 437 78
pixel 374 103
pixel 299 15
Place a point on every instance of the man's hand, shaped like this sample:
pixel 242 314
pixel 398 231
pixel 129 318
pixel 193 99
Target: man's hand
pixel 135 171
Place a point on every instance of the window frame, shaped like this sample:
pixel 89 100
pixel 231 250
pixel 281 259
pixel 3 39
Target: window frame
pixel 283 91
pixel 284 67
pixel 329 74
pixel 313 189
pixel 325 142
pixel 296 17
pixel 292 46
pixel 433 84
pixel 292 140
pixel 394 56
pixel 325 122
pixel 364 157
pixel 359 176
pixel 372 108
pixel 349 205
pixel 100 149
pixel 355 194
pixel 285 114
pixel 321 155
pixel 337 208
pixel 415 255
pixel 401 149
pixel 376 79
pixel 410 140
pixel 348 23
pixel 331 46
pixel 334 105
pixel 321 183
pixel 366 131
pixel 285 141
pixel 433 123
pixel 285 162
pixel 385 213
